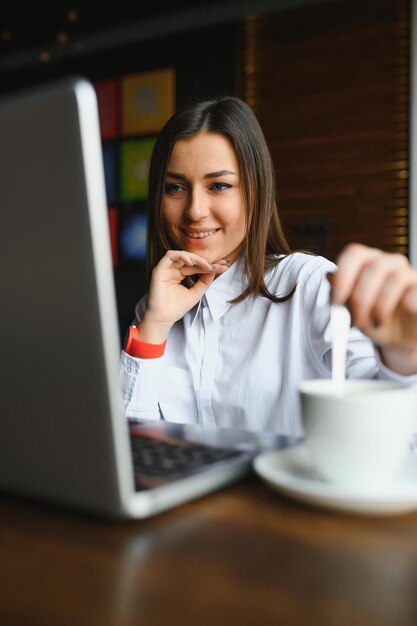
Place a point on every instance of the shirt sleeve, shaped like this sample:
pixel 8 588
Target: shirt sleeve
pixel 363 360
pixel 140 381
pixel 314 293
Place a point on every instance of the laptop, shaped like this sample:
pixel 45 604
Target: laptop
pixel 64 438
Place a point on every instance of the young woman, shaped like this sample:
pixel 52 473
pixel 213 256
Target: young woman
pixel 233 320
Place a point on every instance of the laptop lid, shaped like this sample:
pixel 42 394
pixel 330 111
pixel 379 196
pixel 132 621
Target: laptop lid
pixel 62 434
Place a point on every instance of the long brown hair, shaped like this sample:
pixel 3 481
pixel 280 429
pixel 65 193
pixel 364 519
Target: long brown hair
pixel 265 240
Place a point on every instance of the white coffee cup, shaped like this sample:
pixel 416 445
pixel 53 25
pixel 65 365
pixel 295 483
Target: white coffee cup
pixel 359 437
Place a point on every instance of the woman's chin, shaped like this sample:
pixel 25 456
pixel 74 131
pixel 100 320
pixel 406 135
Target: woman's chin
pixel 205 254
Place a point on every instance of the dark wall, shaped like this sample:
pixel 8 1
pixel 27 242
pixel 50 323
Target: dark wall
pixel 207 63
pixel 334 107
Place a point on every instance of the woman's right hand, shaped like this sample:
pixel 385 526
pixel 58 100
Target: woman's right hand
pixel 168 299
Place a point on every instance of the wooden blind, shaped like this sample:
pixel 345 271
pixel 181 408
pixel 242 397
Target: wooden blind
pixel 329 84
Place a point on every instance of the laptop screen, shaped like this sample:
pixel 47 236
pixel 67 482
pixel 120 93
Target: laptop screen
pixel 59 332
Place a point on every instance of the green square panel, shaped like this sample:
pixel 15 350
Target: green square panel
pixel 135 156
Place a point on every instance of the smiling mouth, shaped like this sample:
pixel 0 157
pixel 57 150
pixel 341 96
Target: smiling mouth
pixel 200 235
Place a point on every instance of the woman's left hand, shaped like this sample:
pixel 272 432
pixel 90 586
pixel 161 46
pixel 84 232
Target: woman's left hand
pixel 380 290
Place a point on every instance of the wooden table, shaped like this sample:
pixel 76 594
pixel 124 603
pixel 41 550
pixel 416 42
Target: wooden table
pixel 243 555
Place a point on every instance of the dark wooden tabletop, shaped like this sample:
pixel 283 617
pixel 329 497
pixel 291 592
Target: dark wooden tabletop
pixel 244 555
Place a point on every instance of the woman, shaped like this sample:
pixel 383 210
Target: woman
pixel 233 320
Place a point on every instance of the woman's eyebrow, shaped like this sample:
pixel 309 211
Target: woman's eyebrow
pixel 178 176
pixel 219 173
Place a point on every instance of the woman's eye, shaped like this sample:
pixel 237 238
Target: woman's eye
pixel 220 186
pixel 172 188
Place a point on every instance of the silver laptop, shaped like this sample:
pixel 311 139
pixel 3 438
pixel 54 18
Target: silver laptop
pixel 63 437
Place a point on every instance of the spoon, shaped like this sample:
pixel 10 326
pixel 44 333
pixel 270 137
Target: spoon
pixel 339 325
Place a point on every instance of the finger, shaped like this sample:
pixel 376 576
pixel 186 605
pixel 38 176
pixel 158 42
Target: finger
pixel 188 258
pixel 393 293
pixel 202 284
pixel 224 262
pixel 175 257
pixel 202 263
pixel 183 261
pixel 218 269
pixel 409 300
pixel 192 271
pixel 384 272
pixel 178 264
pixel 167 261
pixel 185 270
pixel 350 264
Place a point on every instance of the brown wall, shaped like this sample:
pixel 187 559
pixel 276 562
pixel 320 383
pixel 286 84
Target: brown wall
pixel 329 84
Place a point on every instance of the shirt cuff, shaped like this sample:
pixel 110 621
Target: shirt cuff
pixel 140 383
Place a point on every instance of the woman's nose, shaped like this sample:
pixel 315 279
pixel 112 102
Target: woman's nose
pixel 198 206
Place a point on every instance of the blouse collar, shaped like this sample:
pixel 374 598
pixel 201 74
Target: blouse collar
pixel 224 288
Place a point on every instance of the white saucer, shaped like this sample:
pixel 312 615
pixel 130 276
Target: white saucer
pixel 290 471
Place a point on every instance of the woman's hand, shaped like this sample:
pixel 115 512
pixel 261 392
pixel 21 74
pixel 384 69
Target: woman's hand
pixel 168 299
pixel 380 290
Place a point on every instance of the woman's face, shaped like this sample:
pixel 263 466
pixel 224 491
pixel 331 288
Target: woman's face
pixel 203 204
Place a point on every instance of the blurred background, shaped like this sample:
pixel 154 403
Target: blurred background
pixel 328 80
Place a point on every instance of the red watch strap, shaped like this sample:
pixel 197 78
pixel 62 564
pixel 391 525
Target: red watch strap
pixel 135 347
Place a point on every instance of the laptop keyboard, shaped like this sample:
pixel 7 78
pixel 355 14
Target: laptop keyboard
pixel 166 459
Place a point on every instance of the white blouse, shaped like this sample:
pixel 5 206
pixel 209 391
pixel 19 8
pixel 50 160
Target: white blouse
pixel 239 365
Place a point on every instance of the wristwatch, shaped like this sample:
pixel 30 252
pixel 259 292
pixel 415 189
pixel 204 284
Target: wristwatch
pixel 135 347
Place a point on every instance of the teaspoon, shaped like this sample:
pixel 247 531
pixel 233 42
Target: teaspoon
pixel 339 325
